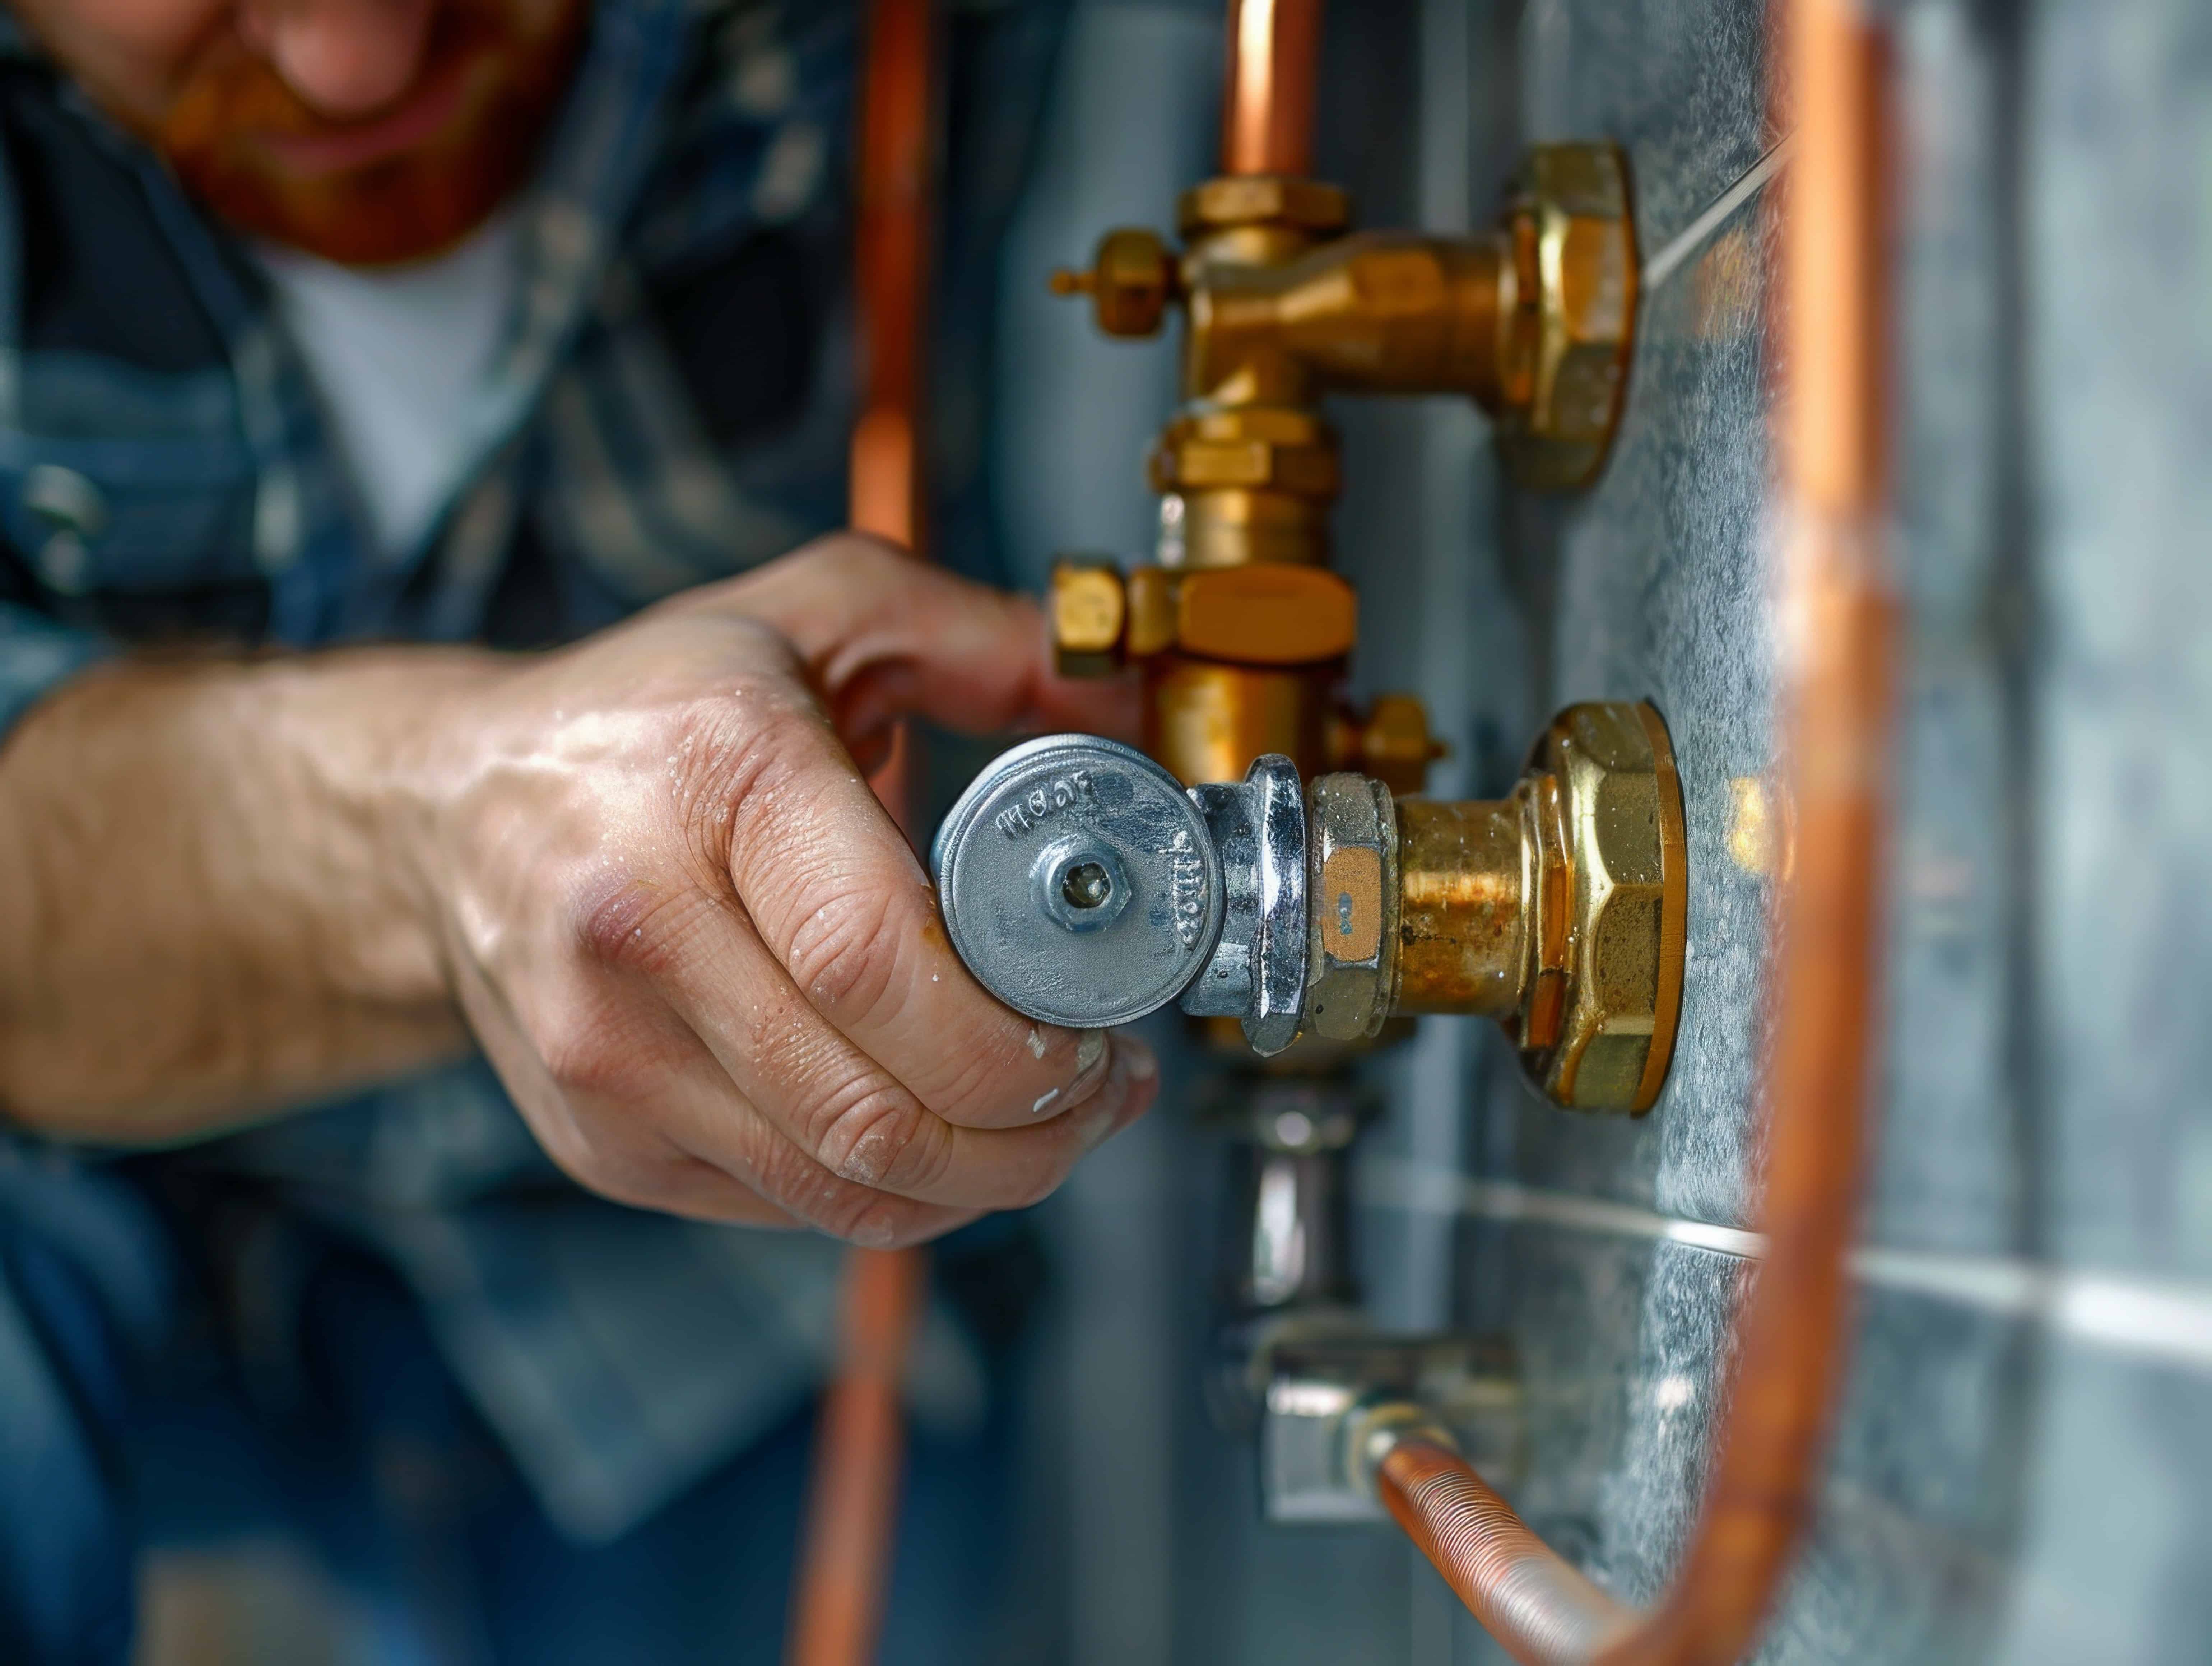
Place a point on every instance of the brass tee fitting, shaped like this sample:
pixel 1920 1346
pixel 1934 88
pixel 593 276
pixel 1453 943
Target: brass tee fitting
pixel 1241 629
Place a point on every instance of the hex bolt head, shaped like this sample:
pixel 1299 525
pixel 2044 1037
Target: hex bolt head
pixel 1088 607
pixel 1351 887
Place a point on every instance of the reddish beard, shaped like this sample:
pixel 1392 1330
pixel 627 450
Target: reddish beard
pixel 405 206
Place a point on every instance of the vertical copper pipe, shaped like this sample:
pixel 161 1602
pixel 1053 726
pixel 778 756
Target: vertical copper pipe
pixel 1274 60
pixel 845 1569
pixel 845 1556
pixel 1840 641
pixel 892 258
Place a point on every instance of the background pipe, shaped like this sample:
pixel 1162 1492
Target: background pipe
pixel 846 1554
pixel 1838 631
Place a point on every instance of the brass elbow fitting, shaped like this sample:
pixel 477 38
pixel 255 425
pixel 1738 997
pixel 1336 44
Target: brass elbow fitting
pixel 1532 320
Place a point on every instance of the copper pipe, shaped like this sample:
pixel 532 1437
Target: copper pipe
pixel 891 257
pixel 837 1608
pixel 1274 60
pixel 1839 630
pixel 845 1555
pixel 1538 1605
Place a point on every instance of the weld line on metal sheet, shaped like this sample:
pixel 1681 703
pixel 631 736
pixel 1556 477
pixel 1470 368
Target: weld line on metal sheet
pixel 2169 1321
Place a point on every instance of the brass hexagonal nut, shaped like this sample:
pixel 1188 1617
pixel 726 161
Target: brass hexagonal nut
pixel 1306 205
pixel 1616 920
pixel 1351 906
pixel 1575 277
pixel 1255 448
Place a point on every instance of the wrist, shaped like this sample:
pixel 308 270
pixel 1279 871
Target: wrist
pixel 385 734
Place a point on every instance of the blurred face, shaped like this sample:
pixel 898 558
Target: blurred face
pixel 367 131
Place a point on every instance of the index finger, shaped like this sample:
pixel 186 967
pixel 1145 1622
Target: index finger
pixel 885 636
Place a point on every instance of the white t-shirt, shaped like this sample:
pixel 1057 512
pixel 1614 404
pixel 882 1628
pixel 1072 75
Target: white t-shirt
pixel 397 354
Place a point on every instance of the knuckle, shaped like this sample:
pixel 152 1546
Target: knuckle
pixel 845 951
pixel 876 1134
pixel 732 755
pixel 630 924
pixel 627 1172
pixel 590 1052
pixel 858 557
pixel 876 1222
pixel 795 1183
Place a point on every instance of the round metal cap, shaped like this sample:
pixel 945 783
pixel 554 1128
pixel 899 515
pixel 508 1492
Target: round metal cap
pixel 1079 882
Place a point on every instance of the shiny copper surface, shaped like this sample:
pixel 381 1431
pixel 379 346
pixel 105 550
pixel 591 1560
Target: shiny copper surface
pixel 1841 643
pixel 1274 59
pixel 1537 1604
pixel 845 1555
pixel 859 1448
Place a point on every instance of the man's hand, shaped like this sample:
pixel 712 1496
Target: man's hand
pixel 701 955
pixel 647 869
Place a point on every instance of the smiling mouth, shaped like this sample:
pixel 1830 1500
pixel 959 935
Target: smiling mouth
pixel 425 112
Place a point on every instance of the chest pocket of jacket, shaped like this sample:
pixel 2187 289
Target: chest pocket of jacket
pixel 128 497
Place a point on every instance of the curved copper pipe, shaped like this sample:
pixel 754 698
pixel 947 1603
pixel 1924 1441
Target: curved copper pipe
pixel 1536 1603
pixel 1274 59
pixel 1839 631
pixel 845 1555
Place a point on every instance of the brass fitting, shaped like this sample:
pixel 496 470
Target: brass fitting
pixel 1308 911
pixel 1533 321
pixel 1282 306
pixel 1575 283
pixel 1561 911
pixel 1255 615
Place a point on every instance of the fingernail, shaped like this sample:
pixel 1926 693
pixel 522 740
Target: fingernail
pixel 1094 1055
pixel 1136 1058
pixel 1097 1130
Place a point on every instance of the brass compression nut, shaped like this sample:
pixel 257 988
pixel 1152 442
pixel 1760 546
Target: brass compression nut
pixel 1303 205
pixel 1560 910
pixel 1256 447
pixel 1572 276
pixel 1603 807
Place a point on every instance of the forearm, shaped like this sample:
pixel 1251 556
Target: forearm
pixel 208 906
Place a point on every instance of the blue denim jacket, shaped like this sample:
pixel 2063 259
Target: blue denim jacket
pixel 670 404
